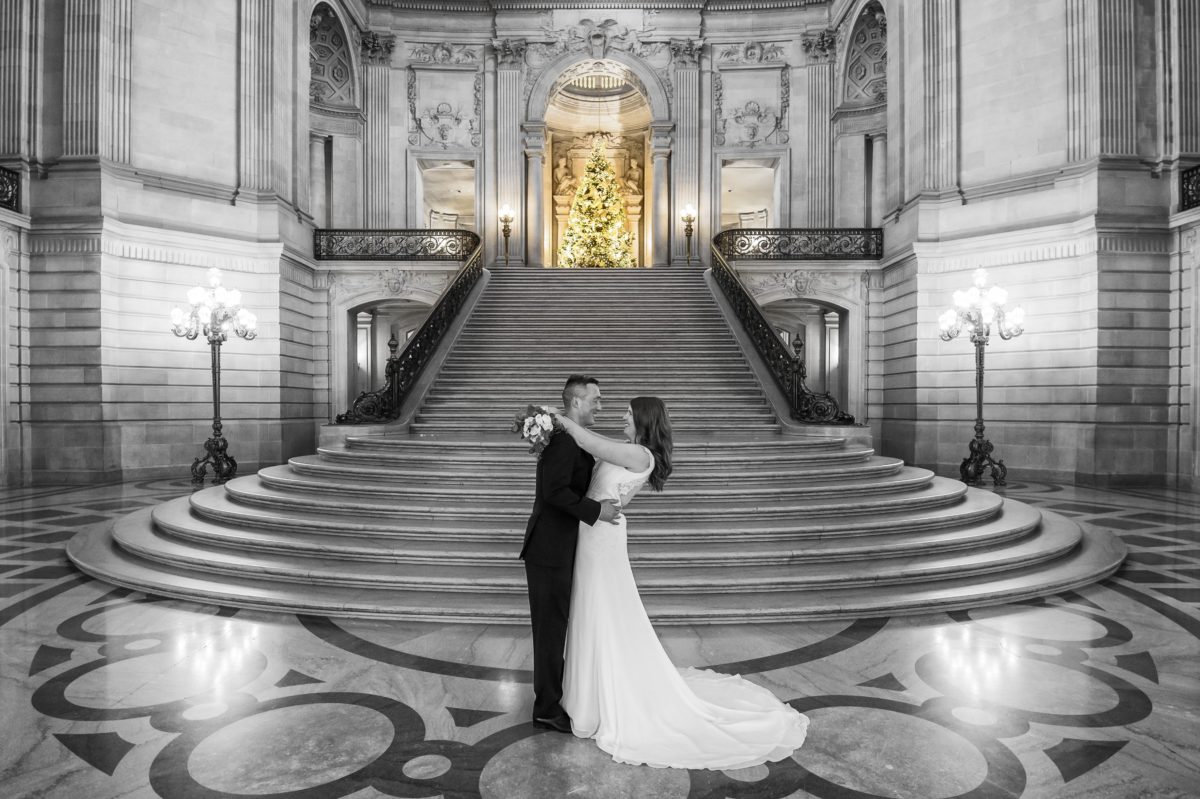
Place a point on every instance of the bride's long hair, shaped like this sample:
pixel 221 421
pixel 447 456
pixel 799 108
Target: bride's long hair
pixel 652 427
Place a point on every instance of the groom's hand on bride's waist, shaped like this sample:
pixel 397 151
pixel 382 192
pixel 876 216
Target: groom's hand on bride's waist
pixel 609 511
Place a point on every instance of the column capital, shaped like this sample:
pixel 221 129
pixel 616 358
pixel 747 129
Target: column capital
pixel 821 47
pixel 510 53
pixel 685 53
pixel 376 48
pixel 533 136
pixel 661 138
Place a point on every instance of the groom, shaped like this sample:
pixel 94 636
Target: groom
pixel 563 473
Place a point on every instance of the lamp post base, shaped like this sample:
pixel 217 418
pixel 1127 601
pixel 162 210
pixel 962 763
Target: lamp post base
pixel 224 466
pixel 980 460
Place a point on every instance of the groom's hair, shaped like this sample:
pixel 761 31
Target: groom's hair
pixel 576 387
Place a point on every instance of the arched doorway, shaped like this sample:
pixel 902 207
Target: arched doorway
pixel 596 103
pixel 623 100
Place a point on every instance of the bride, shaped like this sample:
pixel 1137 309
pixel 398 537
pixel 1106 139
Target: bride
pixel 620 688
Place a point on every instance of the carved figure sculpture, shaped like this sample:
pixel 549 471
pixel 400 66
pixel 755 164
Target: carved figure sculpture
pixel 564 181
pixel 633 177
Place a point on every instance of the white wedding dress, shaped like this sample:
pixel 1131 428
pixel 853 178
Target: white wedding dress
pixel 619 686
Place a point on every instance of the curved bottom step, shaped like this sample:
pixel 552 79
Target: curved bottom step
pixel 1098 555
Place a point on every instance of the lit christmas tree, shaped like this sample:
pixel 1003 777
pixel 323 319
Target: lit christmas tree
pixel 597 231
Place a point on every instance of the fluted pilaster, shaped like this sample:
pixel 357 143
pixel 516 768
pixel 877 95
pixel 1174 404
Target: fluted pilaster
pixel 116 60
pixel 1188 57
pixel 819 178
pixel 1083 87
pixel 255 95
pixel 940 46
pixel 1118 77
pixel 687 145
pixel 377 76
pixel 13 69
pixel 81 62
pixel 508 150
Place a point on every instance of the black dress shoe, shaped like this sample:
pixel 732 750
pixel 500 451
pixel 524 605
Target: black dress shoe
pixel 558 723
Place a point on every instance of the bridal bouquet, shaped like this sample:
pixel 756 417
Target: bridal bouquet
pixel 536 425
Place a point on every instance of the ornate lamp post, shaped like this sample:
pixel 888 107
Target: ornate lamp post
pixel 506 220
pixel 216 312
pixel 689 217
pixel 977 309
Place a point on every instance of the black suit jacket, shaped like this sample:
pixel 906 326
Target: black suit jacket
pixel 563 474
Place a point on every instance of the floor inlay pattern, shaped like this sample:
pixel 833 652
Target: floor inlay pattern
pixel 109 693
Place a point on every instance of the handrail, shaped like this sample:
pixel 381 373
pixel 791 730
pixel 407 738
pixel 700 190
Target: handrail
pixel 800 244
pixel 403 369
pixel 332 244
pixel 788 369
pixel 10 189
pixel 1189 188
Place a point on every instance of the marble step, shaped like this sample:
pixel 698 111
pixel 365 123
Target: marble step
pixel 861 484
pixel 517 397
pixel 176 519
pixel 847 498
pixel 136 534
pixel 730 444
pixel 516 460
pixel 946 510
pixel 1095 557
pixel 521 476
pixel 501 419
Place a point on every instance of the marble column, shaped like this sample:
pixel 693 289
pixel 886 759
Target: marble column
pixel 1083 89
pixel 15 57
pixel 81 62
pixel 686 191
pixel 377 75
pixel 509 59
pixel 116 56
pixel 535 169
pixel 660 174
pixel 815 344
pixel 821 49
pixel 255 96
pixel 318 205
pixel 1119 77
pixel 939 40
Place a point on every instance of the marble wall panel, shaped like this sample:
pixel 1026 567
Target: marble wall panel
pixel 184 89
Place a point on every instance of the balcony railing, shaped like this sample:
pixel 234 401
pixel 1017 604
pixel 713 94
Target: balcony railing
pixel 404 367
pixel 1189 188
pixel 393 245
pixel 787 368
pixel 800 244
pixel 10 189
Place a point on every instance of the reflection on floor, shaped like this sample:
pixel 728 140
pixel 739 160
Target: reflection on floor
pixel 108 693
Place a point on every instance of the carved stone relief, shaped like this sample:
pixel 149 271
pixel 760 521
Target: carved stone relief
pixel 377 48
pixel 397 282
pixel 444 124
pixel 754 122
pixel 821 46
pixel 509 52
pixel 444 53
pixel 804 283
pixel 598 39
pixel 750 53
pixel 866 61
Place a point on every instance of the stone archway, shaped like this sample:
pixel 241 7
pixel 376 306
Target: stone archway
pixel 650 85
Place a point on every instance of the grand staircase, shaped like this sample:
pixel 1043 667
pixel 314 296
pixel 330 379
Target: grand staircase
pixel 756 523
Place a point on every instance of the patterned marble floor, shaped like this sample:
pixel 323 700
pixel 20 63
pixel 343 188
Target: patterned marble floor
pixel 108 693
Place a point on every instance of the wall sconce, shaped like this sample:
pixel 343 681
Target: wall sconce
pixel 689 218
pixel 506 220
pixel 977 309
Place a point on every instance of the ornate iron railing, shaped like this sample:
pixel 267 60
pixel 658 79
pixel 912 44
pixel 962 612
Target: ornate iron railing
pixel 800 244
pixel 1189 188
pixel 788 369
pixel 393 245
pixel 405 367
pixel 10 189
